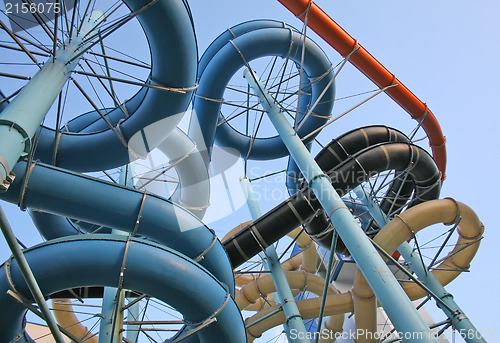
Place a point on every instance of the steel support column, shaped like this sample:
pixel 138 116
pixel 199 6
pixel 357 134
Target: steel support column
pixel 20 120
pixel 294 320
pixel 110 329
pixel 132 333
pixel 29 277
pixel 397 305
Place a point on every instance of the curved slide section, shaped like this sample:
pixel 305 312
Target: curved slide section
pixel 275 41
pixel 231 33
pixel 222 40
pixel 302 207
pixel 92 151
pixel 343 148
pixel 340 148
pixel 176 283
pixel 64 193
pixel 193 192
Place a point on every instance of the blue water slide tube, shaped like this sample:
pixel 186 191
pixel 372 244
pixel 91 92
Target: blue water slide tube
pixel 91 122
pixel 149 269
pixel 192 193
pixel 273 41
pixel 68 194
pixel 166 24
pixel 51 226
pixel 243 28
pixel 233 32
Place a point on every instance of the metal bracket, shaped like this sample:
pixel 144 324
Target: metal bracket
pixel 199 326
pixel 139 215
pixel 27 174
pixel 258 238
pixel 240 250
pixel 196 329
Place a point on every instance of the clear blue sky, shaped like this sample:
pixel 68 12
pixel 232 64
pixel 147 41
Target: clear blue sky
pixel 445 52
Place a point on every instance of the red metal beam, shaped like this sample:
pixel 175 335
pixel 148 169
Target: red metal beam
pixel 341 41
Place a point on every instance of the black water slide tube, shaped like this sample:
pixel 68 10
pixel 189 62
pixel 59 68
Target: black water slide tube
pixel 351 159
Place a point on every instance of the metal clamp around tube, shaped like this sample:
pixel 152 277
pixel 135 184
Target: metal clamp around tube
pixel 202 255
pixel 240 250
pixel 9 278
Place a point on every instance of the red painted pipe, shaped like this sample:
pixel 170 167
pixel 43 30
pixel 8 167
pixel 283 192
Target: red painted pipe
pixel 341 41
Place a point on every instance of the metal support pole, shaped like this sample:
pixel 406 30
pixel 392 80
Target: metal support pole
pixel 294 320
pixel 110 329
pixel 394 300
pixel 22 117
pixel 127 179
pixel 111 324
pixel 458 318
pixel 19 122
pixel 328 277
pixel 29 277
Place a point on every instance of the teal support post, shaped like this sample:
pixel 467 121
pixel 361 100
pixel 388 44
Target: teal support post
pixel 110 329
pixel 20 120
pixel 394 300
pixel 458 318
pixel 132 333
pixel 29 277
pixel 111 316
pixel 294 321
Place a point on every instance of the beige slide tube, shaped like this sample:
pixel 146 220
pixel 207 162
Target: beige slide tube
pixel 66 318
pixel 298 280
pixel 470 231
pixel 402 228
